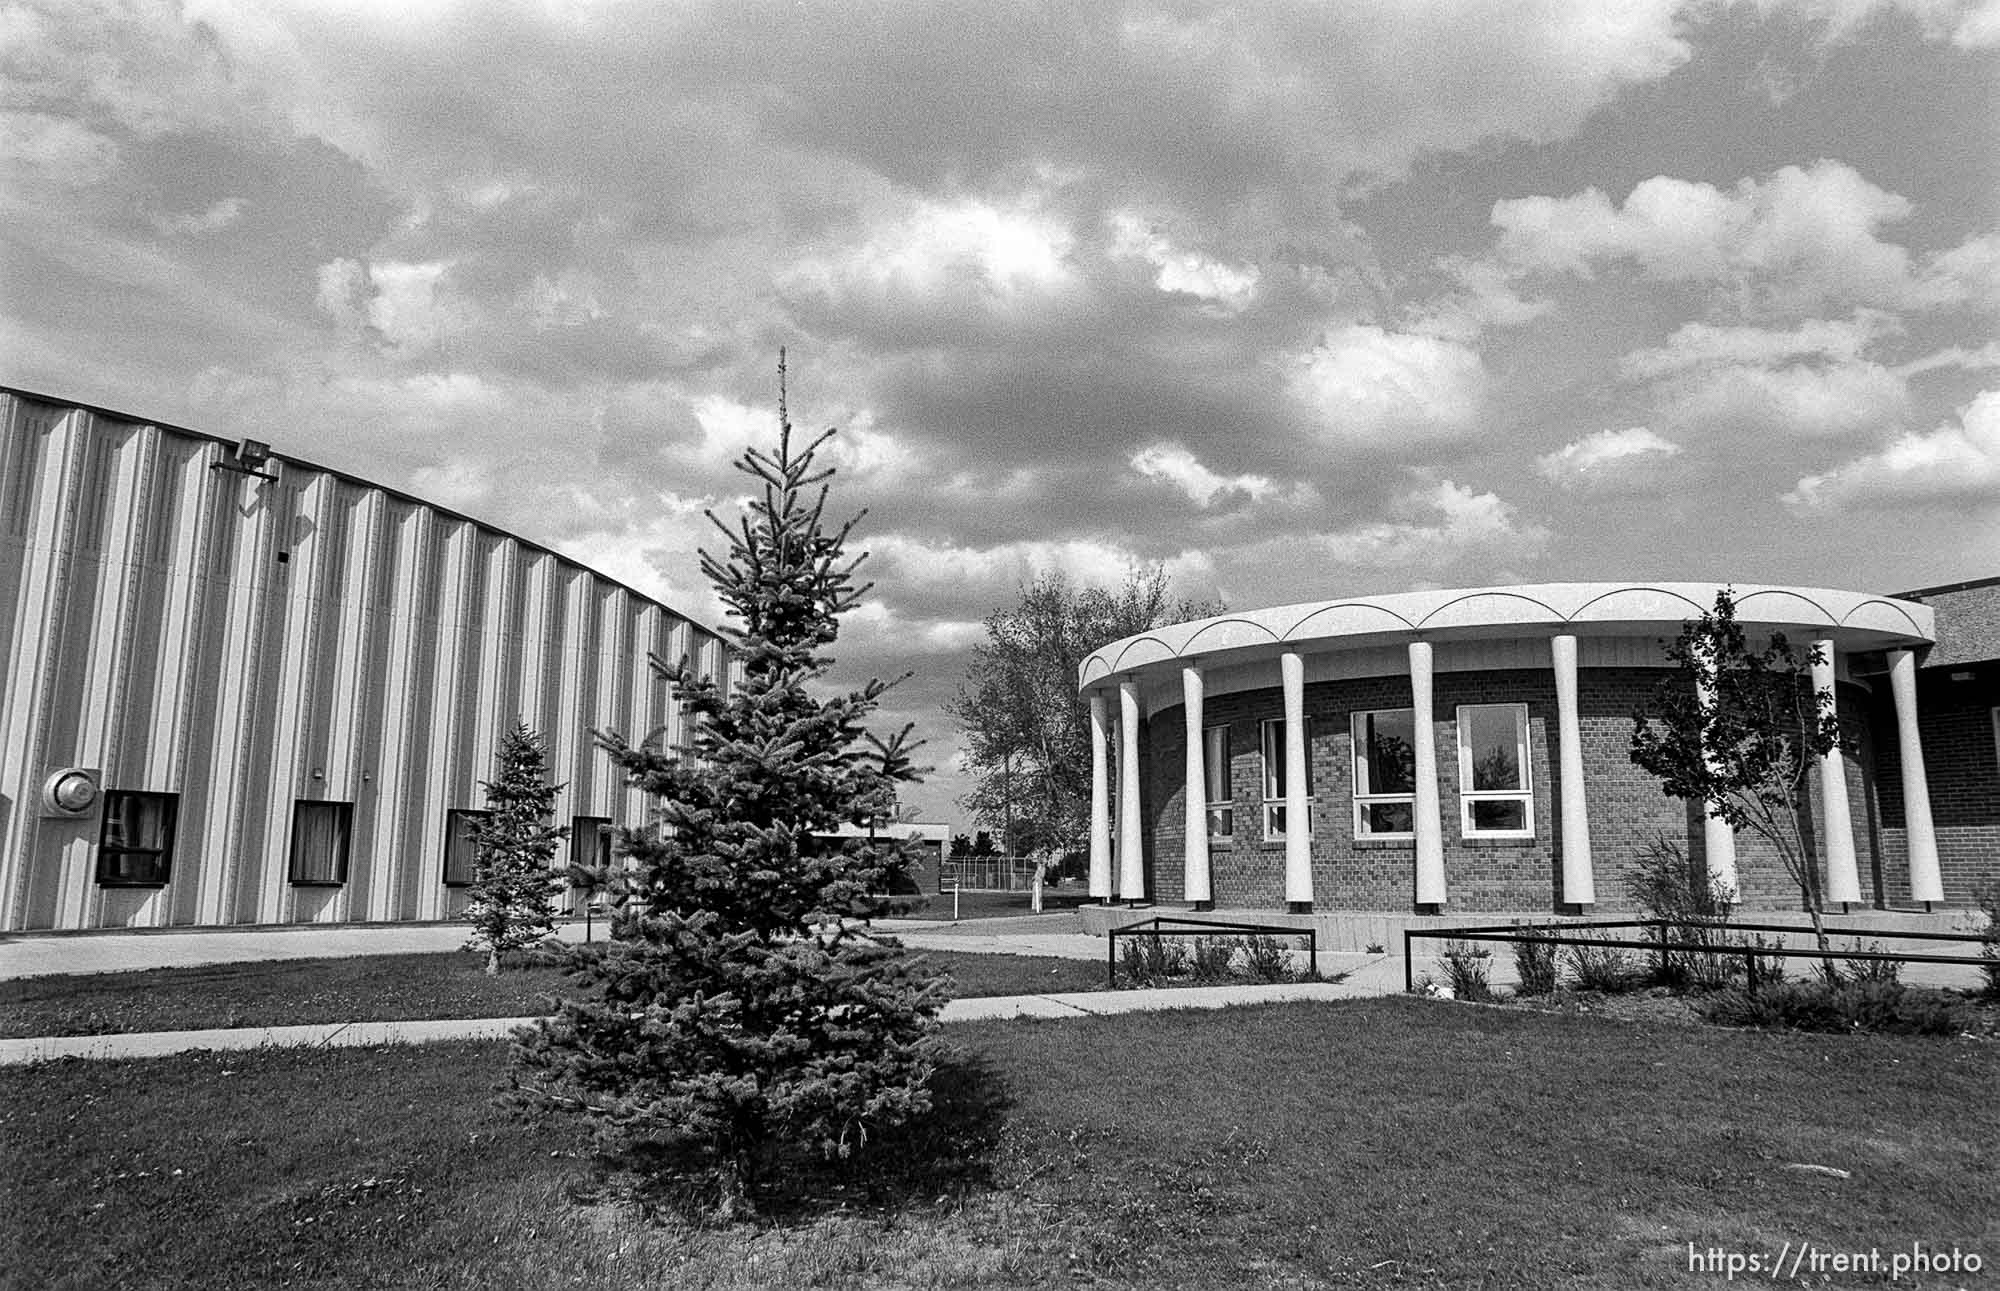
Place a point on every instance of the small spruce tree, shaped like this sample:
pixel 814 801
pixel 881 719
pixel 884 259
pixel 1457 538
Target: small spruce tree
pixel 514 884
pixel 740 1008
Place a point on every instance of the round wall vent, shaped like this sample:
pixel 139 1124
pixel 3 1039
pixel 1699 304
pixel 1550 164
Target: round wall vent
pixel 71 791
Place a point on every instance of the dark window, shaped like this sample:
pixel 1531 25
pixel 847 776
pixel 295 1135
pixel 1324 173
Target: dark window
pixel 320 832
pixel 136 846
pixel 590 840
pixel 459 852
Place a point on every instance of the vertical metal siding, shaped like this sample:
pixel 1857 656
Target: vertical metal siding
pixel 151 629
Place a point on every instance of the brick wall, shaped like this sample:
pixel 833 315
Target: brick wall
pixel 1626 808
pixel 1962 771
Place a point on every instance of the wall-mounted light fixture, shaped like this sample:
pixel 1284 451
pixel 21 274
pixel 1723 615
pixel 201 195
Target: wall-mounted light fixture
pixel 252 455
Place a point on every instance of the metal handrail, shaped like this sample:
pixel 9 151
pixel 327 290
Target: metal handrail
pixel 1201 928
pixel 1517 933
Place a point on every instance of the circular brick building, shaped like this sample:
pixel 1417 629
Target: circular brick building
pixel 1468 750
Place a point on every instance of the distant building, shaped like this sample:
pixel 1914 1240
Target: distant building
pixel 244 689
pixel 1459 751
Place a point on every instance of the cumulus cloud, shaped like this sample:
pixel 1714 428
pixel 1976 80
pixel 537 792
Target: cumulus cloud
pixel 1443 525
pixel 1954 463
pixel 1222 288
pixel 964 252
pixel 728 427
pixel 406 307
pixel 1179 467
pixel 1604 456
pixel 922 564
pixel 1810 380
pixel 213 220
pixel 1797 237
pixel 1368 386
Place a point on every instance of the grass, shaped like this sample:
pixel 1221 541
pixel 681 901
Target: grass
pixel 386 988
pixel 1362 1144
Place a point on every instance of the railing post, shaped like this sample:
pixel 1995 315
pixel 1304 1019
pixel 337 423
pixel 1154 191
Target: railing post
pixel 1312 954
pixel 1409 968
pixel 1750 971
pixel 1111 960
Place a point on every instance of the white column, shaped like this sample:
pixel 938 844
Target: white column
pixel 1579 883
pixel 1195 886
pixel 1298 805
pixel 1100 804
pixel 1718 838
pixel 1131 849
pixel 1843 880
pixel 1429 823
pixel 1925 883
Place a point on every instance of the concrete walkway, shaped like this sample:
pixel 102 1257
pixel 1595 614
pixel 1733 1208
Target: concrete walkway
pixel 1077 1004
pixel 39 954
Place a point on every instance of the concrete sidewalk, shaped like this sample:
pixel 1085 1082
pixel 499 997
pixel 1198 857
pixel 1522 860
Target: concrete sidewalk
pixel 1076 1004
pixel 39 954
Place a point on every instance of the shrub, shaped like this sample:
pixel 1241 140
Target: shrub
pixel 1152 959
pixel 1987 898
pixel 1603 968
pixel 1210 958
pixel 1265 959
pixel 1670 887
pixel 1866 970
pixel 1878 1006
pixel 1466 970
pixel 1536 959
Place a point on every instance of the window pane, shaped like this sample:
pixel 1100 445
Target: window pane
pixel 458 848
pixel 1493 739
pixel 1215 762
pixel 1222 822
pixel 319 842
pixel 1388 762
pixel 1389 817
pixel 1274 759
pixel 1501 814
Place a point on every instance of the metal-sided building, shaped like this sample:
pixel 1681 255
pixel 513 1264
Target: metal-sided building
pixel 243 689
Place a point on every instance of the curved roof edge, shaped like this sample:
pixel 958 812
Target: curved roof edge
pixel 1867 619
pixel 350 477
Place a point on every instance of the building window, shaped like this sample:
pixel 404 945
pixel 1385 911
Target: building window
pixel 1495 797
pixel 1385 773
pixel 590 840
pixel 135 848
pixel 1215 773
pixel 320 831
pixel 459 852
pixel 1274 778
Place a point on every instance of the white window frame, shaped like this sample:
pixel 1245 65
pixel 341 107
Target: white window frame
pixel 1214 767
pixel 1364 797
pixel 1274 770
pixel 1468 796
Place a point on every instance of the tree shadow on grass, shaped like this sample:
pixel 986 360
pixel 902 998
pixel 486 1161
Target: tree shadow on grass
pixel 947 1152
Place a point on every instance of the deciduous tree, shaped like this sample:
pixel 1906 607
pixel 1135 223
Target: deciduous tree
pixel 1738 729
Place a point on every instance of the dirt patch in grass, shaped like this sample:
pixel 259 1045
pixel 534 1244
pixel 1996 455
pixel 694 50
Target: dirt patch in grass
pixel 1369 1143
pixel 387 988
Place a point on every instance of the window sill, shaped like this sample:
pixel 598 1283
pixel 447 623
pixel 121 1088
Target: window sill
pixel 1385 844
pixel 1512 840
pixel 317 883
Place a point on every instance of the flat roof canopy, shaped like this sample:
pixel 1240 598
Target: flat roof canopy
pixel 1853 620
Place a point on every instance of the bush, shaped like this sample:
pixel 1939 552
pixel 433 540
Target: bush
pixel 1603 968
pixel 1878 1006
pixel 1265 959
pixel 1210 958
pixel 1867 970
pixel 1151 960
pixel 1537 959
pixel 1988 901
pixel 1670 887
pixel 1466 970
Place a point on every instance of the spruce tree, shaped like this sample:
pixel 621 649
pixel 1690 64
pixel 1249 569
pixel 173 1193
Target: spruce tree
pixel 741 1008
pixel 514 885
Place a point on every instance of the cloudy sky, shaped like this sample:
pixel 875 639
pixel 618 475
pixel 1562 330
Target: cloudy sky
pixel 1300 300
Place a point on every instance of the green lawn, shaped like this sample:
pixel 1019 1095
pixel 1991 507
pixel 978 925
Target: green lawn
pixel 1374 1143
pixel 386 988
